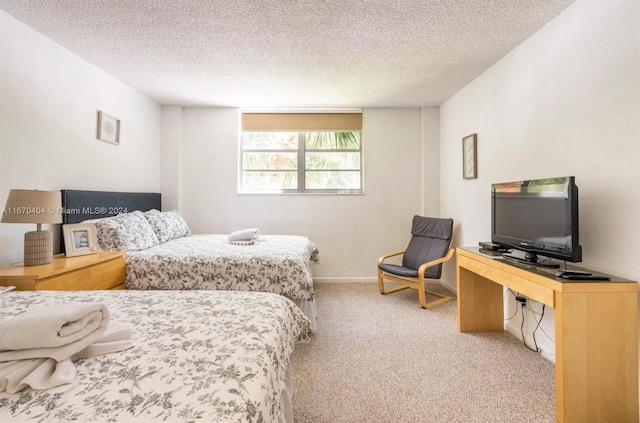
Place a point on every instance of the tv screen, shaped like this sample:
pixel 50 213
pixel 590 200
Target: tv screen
pixel 539 217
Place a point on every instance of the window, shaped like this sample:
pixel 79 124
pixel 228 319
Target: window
pixel 301 153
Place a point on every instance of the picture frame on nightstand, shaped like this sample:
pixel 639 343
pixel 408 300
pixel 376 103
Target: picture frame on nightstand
pixel 80 239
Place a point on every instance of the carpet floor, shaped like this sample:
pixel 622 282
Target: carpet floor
pixel 382 358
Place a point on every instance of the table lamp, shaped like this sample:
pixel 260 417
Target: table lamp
pixel 34 206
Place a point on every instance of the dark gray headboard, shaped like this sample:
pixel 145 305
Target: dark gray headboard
pixel 80 205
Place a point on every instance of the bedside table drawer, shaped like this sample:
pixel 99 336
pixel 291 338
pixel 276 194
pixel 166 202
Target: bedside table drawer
pixel 107 275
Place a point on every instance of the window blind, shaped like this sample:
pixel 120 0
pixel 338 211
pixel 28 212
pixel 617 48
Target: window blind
pixel 301 122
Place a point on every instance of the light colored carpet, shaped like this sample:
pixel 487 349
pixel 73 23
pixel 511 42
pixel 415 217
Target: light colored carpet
pixel 382 358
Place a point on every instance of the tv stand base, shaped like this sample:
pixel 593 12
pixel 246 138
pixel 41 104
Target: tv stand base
pixel 548 264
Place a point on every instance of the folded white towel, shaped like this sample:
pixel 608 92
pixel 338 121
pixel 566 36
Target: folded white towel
pixel 245 235
pixel 46 373
pixel 116 338
pixel 37 373
pixel 56 332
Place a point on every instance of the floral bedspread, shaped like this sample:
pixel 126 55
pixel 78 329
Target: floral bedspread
pixel 275 263
pixel 207 356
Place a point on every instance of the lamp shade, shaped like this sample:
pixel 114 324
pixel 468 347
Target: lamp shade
pixel 32 206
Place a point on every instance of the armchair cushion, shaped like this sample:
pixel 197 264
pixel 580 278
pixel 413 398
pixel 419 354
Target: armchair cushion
pixel 432 227
pixel 406 272
pixel 430 240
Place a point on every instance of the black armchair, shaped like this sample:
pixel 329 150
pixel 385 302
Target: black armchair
pixel 422 259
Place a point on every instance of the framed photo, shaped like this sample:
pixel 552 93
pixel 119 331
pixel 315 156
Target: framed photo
pixel 80 239
pixel 108 128
pixel 470 157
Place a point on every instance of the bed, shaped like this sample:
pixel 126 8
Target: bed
pixel 213 356
pixel 275 263
pixel 177 259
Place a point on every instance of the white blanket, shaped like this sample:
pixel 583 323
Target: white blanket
pixel 38 348
pixel 245 235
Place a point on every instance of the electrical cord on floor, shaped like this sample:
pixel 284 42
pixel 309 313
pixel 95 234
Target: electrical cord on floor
pixel 523 304
pixel 537 349
pixel 540 327
pixel 524 340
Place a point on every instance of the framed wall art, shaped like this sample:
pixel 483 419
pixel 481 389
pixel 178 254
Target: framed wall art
pixel 108 128
pixel 470 157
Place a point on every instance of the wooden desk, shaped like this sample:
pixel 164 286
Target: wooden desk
pixel 596 331
pixel 104 270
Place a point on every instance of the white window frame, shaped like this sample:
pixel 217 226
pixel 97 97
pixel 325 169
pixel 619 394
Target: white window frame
pixel 301 170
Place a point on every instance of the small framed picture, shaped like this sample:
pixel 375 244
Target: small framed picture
pixel 470 157
pixel 108 128
pixel 80 239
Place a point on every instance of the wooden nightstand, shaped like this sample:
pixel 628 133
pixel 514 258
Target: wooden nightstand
pixel 104 270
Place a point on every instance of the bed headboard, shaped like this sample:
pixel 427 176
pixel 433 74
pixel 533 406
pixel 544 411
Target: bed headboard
pixel 79 205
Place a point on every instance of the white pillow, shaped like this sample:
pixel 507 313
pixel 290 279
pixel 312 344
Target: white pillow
pixel 167 225
pixel 105 233
pixel 126 232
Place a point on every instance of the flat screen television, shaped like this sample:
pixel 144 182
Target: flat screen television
pixel 538 217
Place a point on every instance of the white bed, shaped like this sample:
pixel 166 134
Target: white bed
pixel 280 264
pixel 275 263
pixel 211 356
pixel 162 253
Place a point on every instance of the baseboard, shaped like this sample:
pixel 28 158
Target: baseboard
pixel 514 330
pixel 346 280
pixel 365 279
pixel 453 288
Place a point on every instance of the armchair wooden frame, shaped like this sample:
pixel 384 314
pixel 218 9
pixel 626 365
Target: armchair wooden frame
pixel 414 283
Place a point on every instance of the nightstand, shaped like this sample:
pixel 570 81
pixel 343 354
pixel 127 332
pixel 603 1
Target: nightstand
pixel 105 270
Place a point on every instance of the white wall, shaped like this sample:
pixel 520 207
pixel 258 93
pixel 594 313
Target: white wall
pixel 171 157
pixel 430 176
pixel 48 103
pixel 564 102
pixel 351 231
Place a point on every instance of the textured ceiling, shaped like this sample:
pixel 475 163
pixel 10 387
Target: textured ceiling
pixel 290 53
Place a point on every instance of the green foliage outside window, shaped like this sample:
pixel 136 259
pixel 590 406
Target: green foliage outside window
pixel 280 161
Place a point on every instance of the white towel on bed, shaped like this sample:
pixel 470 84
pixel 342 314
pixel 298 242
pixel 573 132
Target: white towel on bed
pixel 38 373
pixel 46 373
pixel 38 348
pixel 117 338
pixel 57 332
pixel 245 235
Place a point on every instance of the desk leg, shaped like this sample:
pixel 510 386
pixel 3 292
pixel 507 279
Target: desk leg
pixel 597 357
pixel 480 303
